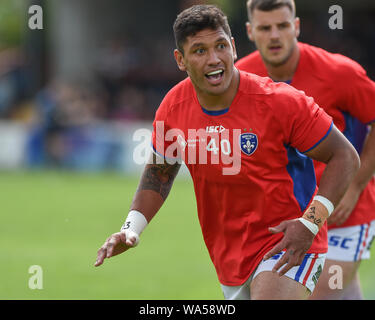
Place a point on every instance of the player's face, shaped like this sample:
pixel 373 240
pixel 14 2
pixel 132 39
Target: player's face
pixel 275 34
pixel 208 59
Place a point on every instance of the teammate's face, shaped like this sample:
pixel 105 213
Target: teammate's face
pixel 275 34
pixel 208 59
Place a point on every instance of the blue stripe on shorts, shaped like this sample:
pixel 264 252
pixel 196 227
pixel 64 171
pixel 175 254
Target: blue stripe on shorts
pixel 359 243
pixel 301 267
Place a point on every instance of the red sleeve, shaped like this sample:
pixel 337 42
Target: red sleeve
pixel 164 134
pixel 303 122
pixel 159 128
pixel 357 92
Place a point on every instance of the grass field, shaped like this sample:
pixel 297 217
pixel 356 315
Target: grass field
pixel 59 220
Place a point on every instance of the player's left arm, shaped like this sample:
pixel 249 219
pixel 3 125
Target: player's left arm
pixel 359 182
pixel 342 163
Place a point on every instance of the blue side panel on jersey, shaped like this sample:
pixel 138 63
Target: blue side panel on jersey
pixel 355 131
pixel 301 170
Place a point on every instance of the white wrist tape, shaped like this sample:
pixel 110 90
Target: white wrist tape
pixel 324 201
pixel 134 225
pixel 309 225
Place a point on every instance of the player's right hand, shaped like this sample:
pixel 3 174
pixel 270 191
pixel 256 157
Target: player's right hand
pixel 296 241
pixel 117 243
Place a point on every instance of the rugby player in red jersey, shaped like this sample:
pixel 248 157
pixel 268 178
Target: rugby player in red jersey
pixel 262 217
pixel 341 87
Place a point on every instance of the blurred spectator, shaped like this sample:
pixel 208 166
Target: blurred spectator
pixel 68 116
pixel 112 63
pixel 13 80
pixel 130 104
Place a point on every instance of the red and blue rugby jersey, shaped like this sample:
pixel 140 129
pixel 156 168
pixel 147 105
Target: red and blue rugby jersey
pixel 341 87
pixel 269 125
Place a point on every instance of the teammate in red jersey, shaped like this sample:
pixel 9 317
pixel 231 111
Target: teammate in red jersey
pixel 341 87
pixel 245 141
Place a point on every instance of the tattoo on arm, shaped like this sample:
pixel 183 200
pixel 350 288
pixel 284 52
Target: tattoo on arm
pixel 159 178
pixel 311 216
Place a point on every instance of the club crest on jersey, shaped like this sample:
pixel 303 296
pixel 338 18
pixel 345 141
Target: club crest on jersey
pixel 248 143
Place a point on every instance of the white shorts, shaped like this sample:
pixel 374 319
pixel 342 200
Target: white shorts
pixel 351 243
pixel 307 274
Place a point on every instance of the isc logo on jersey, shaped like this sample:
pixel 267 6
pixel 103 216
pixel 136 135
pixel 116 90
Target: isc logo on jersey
pixel 211 129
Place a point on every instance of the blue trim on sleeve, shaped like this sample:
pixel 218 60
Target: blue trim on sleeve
pixel 157 153
pixel 325 136
pixel 161 155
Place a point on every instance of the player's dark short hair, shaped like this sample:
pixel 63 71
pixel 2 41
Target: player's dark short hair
pixel 269 5
pixel 197 18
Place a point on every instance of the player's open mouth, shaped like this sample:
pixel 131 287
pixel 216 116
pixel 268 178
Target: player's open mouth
pixel 275 48
pixel 214 77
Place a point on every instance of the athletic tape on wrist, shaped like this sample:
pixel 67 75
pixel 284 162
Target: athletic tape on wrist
pixel 135 222
pixel 309 225
pixel 324 201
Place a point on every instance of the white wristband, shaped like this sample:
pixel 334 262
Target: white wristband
pixel 309 225
pixel 324 201
pixel 134 225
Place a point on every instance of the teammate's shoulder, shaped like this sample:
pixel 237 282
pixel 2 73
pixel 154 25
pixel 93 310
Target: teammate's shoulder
pixel 251 57
pixel 251 63
pixel 329 61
